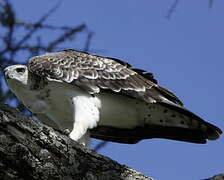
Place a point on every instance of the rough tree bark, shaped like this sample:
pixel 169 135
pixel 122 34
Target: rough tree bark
pixel 29 150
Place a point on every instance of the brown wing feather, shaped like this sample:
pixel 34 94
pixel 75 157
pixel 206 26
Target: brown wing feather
pixel 94 72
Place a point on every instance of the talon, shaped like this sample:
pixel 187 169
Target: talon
pixel 66 132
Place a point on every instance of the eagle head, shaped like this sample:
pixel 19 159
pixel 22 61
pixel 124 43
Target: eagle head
pixel 16 76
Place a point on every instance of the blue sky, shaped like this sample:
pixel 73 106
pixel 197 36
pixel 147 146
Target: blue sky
pixel 186 55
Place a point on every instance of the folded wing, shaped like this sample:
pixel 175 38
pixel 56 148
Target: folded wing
pixel 95 74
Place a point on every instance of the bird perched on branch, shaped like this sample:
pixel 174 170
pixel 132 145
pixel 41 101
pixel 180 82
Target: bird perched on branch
pixel 103 98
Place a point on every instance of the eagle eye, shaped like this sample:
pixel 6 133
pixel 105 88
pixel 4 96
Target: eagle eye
pixel 20 70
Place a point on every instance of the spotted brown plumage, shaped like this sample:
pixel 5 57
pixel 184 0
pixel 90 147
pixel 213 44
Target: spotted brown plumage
pixel 94 72
pixel 106 97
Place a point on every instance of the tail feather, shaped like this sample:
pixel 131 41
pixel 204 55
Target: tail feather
pixel 132 136
pixel 207 130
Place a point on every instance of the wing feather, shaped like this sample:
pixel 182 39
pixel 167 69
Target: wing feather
pixel 93 73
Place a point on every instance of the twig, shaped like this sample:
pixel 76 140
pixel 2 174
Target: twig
pixel 46 26
pixel 65 36
pixel 100 145
pixel 88 41
pixel 210 3
pixel 37 25
pixel 172 9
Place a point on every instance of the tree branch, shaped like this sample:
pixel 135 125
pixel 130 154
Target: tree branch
pixel 29 150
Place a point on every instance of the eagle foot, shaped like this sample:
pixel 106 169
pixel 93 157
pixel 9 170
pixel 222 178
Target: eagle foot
pixel 66 132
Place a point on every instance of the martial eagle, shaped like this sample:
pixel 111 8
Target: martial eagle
pixel 104 98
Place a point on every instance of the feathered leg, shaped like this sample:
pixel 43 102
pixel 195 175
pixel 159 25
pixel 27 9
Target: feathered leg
pixel 86 115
